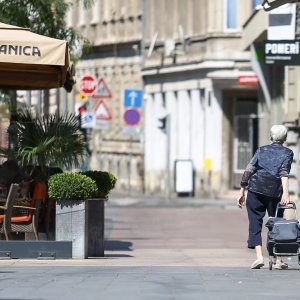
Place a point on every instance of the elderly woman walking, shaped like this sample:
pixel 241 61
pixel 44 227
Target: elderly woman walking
pixel 266 177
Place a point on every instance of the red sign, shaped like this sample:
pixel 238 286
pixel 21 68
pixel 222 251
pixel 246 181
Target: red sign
pixel 132 117
pixel 102 90
pixel 102 112
pixel 87 85
pixel 248 80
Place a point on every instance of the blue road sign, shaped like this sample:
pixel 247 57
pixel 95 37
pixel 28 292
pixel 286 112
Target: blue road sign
pixel 133 98
pixel 87 120
pixel 132 117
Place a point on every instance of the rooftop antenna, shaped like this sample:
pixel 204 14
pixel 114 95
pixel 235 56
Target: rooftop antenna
pixel 152 45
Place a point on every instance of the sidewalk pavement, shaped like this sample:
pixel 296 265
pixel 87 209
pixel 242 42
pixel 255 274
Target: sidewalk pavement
pixel 154 250
pixel 117 199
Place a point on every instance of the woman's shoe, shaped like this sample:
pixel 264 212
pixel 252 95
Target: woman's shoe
pixel 258 263
pixel 280 265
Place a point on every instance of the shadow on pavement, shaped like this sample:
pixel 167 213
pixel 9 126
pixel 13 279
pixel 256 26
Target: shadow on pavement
pixel 6 272
pixel 116 256
pixel 111 245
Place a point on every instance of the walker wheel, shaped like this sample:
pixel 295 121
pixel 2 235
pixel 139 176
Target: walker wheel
pixel 270 265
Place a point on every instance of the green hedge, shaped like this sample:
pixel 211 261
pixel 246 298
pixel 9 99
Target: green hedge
pixel 105 181
pixel 71 186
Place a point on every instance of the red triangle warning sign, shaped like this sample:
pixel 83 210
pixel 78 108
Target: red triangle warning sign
pixel 102 90
pixel 102 112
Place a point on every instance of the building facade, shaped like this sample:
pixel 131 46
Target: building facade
pixel 188 58
pixel 115 29
pixel 196 71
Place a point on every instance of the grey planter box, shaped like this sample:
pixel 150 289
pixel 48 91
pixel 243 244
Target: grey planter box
pixel 83 224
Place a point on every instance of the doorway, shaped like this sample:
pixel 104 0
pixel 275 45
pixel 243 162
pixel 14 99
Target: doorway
pixel 245 136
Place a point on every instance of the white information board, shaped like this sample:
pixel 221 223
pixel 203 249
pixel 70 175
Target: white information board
pixel 184 176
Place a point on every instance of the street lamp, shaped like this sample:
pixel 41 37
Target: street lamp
pixel 165 126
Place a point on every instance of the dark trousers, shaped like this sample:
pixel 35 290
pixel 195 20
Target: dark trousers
pixel 257 205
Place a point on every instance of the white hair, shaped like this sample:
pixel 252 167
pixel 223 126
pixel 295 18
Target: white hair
pixel 278 133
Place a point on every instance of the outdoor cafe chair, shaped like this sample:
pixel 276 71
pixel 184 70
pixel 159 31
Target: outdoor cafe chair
pixel 18 217
pixel 5 217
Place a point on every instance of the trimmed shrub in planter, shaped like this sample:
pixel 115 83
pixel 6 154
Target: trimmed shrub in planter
pixel 105 182
pixel 71 186
pixel 79 216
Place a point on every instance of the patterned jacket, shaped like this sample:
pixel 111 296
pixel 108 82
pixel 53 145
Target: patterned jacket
pixel 263 173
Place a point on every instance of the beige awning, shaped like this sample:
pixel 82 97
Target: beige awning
pixel 31 61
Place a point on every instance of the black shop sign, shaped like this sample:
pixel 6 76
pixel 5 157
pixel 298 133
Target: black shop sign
pixel 282 52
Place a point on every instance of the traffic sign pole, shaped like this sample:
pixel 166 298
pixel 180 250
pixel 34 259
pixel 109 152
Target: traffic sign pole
pixel 129 166
pixel 168 146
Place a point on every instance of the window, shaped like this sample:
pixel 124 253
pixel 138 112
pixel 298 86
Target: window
pixel 255 3
pixel 231 14
pixel 81 14
pixel 95 12
pixel 69 17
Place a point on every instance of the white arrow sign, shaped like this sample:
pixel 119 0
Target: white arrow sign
pixel 132 96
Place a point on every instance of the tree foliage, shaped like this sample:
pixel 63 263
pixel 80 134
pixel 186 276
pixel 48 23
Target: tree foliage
pixel 52 140
pixel 45 17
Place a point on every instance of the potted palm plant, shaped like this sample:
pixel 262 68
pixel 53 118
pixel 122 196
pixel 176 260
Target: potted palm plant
pixel 53 140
